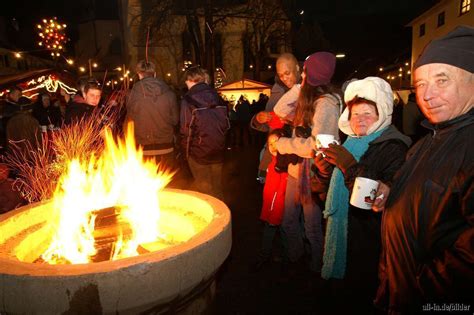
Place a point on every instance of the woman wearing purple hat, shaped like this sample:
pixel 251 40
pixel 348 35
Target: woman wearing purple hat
pixel 317 112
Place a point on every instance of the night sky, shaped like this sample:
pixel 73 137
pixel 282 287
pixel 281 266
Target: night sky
pixel 370 32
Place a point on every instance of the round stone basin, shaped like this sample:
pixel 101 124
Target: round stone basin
pixel 145 283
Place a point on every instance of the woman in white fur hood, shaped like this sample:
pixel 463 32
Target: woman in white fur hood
pixel 374 149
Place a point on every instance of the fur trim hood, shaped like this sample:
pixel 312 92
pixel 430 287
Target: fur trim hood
pixel 373 89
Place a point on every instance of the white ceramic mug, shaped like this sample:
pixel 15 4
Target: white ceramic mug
pixel 363 193
pixel 323 140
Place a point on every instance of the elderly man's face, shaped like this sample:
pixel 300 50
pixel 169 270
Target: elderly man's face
pixel 287 72
pixel 443 92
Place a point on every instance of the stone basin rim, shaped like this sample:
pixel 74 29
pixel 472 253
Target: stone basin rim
pixel 220 222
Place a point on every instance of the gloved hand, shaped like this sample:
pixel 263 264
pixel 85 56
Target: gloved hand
pixel 324 168
pixel 303 132
pixel 283 160
pixel 339 156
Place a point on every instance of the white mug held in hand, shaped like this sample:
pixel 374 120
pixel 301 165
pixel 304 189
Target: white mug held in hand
pixel 363 192
pixel 324 140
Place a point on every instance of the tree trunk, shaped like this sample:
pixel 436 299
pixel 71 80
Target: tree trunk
pixel 193 28
pixel 209 38
pixel 257 68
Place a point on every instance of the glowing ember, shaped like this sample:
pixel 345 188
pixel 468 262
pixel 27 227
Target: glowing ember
pixel 119 183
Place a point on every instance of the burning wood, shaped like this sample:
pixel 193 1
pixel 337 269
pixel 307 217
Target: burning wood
pixel 124 187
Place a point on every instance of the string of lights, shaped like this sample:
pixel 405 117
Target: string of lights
pixel 52 37
pixel 50 83
pixel 397 74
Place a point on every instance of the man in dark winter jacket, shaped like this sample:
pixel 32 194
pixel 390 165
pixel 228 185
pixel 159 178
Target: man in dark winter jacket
pixel 154 111
pixel 204 124
pixel 427 232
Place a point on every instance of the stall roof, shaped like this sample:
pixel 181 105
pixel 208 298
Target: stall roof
pixel 244 84
pixel 14 79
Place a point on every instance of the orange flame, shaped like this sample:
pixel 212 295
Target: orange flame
pixel 120 178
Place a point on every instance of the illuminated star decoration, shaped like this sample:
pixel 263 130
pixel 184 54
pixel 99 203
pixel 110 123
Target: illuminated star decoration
pixel 52 36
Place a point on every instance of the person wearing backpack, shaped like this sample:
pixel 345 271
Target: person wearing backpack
pixel 203 126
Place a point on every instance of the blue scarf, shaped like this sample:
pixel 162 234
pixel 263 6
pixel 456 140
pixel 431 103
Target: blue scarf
pixel 337 207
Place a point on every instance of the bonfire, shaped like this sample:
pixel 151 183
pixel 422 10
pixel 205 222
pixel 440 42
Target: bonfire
pixel 104 193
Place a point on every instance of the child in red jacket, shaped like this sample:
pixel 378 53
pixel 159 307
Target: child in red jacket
pixel 273 199
pixel 274 189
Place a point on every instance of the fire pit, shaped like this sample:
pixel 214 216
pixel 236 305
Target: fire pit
pixel 158 279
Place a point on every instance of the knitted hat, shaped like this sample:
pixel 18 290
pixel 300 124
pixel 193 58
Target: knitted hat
pixel 320 68
pixel 373 89
pixel 455 49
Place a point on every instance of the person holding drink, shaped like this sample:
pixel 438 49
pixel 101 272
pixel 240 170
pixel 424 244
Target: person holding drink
pixel 374 149
pixel 428 223
pixel 317 111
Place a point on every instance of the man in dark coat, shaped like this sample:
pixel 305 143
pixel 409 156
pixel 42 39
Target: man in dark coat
pixel 427 232
pixel 153 108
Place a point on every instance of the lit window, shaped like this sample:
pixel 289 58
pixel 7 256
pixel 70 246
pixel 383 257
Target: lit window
pixel 465 7
pixel 441 19
pixel 422 29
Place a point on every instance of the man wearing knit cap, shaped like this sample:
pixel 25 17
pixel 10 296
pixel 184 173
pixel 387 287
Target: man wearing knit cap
pixel 428 233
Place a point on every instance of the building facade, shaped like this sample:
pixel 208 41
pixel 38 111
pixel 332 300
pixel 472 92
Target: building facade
pixel 171 48
pixel 99 41
pixel 438 21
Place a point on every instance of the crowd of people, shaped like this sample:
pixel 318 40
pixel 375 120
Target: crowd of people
pixel 415 244
pixel 26 124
